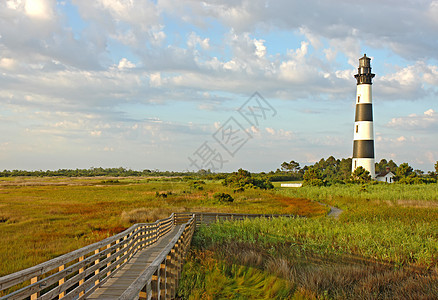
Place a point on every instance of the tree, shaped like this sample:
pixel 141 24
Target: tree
pixel 404 170
pixel 345 169
pixel 313 176
pixel 392 166
pixel 418 172
pixel 243 179
pixel 361 175
pixel 383 164
pixel 291 166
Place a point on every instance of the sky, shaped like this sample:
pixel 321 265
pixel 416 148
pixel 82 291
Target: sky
pixel 221 85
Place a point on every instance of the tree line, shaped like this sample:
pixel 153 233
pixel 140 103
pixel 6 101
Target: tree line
pixel 92 172
pixel 324 172
pixel 331 170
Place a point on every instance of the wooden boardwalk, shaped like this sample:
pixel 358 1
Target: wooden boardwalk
pixel 123 278
pixel 143 262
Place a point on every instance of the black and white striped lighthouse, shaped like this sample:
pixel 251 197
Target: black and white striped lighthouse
pixel 363 146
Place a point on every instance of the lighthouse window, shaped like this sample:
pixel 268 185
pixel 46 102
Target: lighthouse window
pixel 357 128
pixel 358 99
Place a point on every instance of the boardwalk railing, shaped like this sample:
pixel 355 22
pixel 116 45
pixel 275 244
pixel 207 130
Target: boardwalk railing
pixel 208 217
pixel 160 279
pixel 77 274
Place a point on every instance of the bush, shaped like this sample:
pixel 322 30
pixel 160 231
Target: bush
pixel 197 185
pixel 242 179
pixel 223 197
pixel 360 175
pixel 162 195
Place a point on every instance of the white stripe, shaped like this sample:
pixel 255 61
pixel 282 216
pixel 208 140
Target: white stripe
pixel 363 130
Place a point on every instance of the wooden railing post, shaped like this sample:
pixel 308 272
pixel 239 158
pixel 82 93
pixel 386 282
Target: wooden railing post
pixel 97 271
pixel 178 260
pixel 109 263
pixel 61 281
pixel 156 284
pixel 145 292
pixel 37 294
pixel 126 248
pixel 81 282
pixel 168 275
pixel 118 256
pixel 162 280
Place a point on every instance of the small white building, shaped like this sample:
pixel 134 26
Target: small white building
pixel 386 176
pixel 291 185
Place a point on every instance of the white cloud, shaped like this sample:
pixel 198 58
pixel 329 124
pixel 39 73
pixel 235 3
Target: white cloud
pixel 40 9
pixel 125 64
pixel 96 133
pixel 429 119
pixel 401 139
pixel 193 40
pixel 270 130
pixel 260 48
pixel 7 63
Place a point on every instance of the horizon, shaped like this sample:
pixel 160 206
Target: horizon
pixel 151 84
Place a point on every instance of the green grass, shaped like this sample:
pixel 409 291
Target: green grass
pixel 348 192
pixel 388 241
pixel 41 218
pixel 384 245
pixel 205 277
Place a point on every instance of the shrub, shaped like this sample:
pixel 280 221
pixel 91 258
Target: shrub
pixel 242 179
pixel 162 195
pixel 223 197
pixel 361 175
pixel 197 185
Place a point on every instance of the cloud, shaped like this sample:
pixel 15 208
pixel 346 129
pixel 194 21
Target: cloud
pixel 40 9
pixel 91 71
pixel 7 63
pixel 125 64
pixel 428 120
pixel 270 130
pixel 342 22
pixel 194 40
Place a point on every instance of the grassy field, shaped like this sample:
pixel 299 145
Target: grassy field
pixel 41 218
pixel 383 246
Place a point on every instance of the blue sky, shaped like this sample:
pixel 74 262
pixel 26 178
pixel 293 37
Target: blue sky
pixel 145 84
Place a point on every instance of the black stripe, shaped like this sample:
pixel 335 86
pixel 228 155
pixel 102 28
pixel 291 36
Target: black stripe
pixel 364 112
pixel 363 149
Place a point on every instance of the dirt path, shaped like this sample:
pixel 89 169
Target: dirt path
pixel 334 212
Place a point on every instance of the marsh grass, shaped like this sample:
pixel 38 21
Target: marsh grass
pixel 383 246
pixel 41 218
pixel 324 259
pixel 206 277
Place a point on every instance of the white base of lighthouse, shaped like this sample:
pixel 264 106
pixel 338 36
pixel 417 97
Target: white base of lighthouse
pixel 367 164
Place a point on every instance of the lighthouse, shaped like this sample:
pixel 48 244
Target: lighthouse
pixel 363 145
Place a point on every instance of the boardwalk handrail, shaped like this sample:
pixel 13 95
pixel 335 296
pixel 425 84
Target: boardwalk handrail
pixel 77 274
pixel 211 217
pixel 160 278
pixel 80 272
